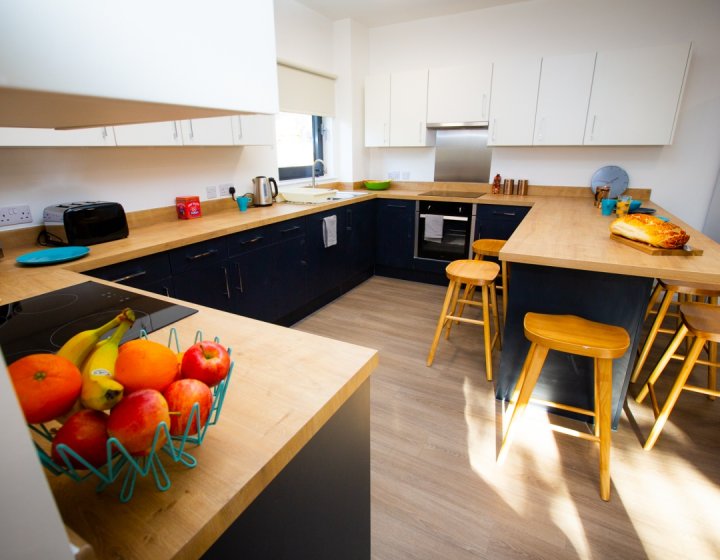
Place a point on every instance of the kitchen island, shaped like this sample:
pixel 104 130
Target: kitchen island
pixel 296 413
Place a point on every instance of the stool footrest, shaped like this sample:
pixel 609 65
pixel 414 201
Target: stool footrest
pixel 703 390
pixel 574 433
pixel 562 406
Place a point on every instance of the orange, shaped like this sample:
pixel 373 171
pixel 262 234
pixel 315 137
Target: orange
pixel 144 364
pixel 47 386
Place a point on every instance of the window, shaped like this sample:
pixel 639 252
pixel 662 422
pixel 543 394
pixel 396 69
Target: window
pixel 299 144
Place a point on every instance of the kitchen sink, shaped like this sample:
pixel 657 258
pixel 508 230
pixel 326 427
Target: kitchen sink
pixel 345 195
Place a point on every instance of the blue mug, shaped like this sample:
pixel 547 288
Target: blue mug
pixel 242 202
pixel 608 206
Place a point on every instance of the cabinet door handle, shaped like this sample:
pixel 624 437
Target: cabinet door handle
pixel 541 129
pixel 494 127
pixel 104 132
pixel 227 282
pixel 175 130
pixel 396 206
pixel 592 128
pixel 240 128
pixel 253 240
pixel 130 276
pixel 348 220
pixel 166 290
pixel 240 282
pixel 289 230
pixel 496 213
pixel 192 131
pixel 209 253
pixel 484 106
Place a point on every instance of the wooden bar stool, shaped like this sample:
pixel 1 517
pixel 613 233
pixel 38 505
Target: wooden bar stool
pixel 672 288
pixel 702 321
pixel 477 274
pixel 491 248
pixel 574 335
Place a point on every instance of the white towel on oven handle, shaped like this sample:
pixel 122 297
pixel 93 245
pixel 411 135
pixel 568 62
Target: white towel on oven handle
pixel 433 227
pixel 329 231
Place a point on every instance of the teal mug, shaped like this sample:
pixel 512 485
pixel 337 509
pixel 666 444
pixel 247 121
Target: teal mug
pixel 242 202
pixel 607 206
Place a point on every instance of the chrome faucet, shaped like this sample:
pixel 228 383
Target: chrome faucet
pixel 313 170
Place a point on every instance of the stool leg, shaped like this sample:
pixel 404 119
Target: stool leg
pixel 672 398
pixel 521 380
pixel 667 355
pixel 651 335
pixel 712 370
pixel 505 288
pixel 529 380
pixel 452 308
pixel 603 413
pixel 496 313
pixel 486 332
pixel 653 300
pixel 441 322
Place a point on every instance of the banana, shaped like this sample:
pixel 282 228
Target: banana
pixel 99 390
pixel 78 348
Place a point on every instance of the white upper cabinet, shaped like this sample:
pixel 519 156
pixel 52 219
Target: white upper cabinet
pixel 408 109
pixel 459 94
pixel 93 63
pixel 102 136
pixel 215 131
pixel 636 95
pixel 563 99
pixel 513 101
pixel 377 111
pixel 149 134
pixel 253 130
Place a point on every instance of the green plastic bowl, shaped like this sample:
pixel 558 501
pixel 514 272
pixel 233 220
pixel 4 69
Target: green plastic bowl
pixel 377 185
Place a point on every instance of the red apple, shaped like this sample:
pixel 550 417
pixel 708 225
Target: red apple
pixel 85 432
pixel 181 396
pixel 206 361
pixel 134 419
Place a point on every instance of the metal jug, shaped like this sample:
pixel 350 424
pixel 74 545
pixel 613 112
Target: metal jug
pixel 263 193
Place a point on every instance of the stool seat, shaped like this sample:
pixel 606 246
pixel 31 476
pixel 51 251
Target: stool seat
pixel 691 288
pixel 702 321
pixel 474 274
pixel 575 335
pixel 488 247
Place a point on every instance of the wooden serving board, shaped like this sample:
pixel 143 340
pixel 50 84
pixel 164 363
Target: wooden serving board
pixel 685 251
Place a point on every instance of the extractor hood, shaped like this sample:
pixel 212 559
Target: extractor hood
pixel 84 63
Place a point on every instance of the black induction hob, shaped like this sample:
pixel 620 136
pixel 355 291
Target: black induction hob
pixel 458 194
pixel 44 323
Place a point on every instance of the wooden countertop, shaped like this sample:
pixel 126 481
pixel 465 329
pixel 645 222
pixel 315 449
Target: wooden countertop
pixel 285 385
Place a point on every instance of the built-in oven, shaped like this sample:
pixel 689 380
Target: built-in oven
pixel 444 230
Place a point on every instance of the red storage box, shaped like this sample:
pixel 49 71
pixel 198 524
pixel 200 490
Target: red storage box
pixel 188 207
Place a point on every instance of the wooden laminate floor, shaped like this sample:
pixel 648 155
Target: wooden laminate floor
pixel 437 492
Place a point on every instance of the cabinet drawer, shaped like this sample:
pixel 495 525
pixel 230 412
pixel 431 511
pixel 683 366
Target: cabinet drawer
pixel 251 239
pixel 137 272
pixel 198 255
pixel 501 212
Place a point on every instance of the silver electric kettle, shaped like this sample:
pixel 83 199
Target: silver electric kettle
pixel 263 193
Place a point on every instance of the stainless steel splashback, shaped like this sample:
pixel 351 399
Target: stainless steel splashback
pixel 462 155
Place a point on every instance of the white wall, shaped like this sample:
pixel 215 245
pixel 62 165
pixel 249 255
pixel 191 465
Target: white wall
pixel 682 176
pixel 138 178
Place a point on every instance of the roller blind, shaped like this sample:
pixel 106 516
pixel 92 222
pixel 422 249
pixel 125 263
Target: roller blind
pixel 304 90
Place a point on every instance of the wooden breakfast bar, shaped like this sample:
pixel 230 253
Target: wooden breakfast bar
pixel 562 261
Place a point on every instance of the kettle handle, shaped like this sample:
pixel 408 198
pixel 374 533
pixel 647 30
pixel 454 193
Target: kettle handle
pixel 274 188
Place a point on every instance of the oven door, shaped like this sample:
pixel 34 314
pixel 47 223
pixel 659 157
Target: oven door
pixel 444 235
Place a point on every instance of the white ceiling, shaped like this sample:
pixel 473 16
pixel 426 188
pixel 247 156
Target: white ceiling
pixel 374 13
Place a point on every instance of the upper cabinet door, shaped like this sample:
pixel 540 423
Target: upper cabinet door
pixel 377 111
pixel 214 131
pixel 253 130
pixel 636 94
pixel 459 94
pixel 149 134
pixel 102 136
pixel 408 108
pixel 563 99
pixel 513 101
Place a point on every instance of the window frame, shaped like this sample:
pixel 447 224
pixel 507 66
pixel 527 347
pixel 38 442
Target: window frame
pixel 306 171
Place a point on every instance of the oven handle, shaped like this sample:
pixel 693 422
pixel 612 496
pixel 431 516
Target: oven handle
pixel 453 218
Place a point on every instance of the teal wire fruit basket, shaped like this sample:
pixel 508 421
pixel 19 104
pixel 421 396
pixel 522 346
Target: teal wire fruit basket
pixel 121 464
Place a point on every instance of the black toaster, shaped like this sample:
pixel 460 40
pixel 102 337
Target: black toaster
pixel 85 223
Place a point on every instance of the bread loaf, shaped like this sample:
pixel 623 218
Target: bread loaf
pixel 650 230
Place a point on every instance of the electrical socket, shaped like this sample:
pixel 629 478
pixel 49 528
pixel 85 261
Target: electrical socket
pixel 224 190
pixel 394 175
pixel 405 175
pixel 13 215
pixel 211 192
